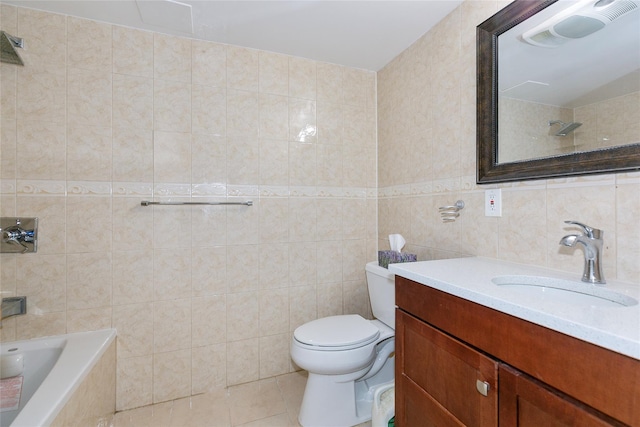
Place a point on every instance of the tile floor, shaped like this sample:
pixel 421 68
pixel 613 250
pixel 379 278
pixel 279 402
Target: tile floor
pixel 273 402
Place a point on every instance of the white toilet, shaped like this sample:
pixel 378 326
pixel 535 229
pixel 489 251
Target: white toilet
pixel 348 358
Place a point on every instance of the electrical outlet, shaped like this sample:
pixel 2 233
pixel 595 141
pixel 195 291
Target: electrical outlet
pixel 493 202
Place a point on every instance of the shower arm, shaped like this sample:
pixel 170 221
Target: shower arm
pixel 565 128
pixel 16 41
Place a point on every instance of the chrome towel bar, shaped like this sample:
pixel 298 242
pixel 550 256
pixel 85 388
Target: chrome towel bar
pixel 147 203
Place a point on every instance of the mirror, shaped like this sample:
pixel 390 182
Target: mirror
pixel 558 89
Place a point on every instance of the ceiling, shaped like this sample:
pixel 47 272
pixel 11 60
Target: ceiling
pixel 362 34
pixel 584 70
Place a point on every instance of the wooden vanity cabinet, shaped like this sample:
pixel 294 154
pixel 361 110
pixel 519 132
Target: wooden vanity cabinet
pixel 525 402
pixel 450 352
pixel 437 383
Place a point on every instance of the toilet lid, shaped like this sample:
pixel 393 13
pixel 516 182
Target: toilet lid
pixel 337 331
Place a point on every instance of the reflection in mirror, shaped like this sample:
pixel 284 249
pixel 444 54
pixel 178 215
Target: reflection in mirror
pixel 558 89
pixel 569 80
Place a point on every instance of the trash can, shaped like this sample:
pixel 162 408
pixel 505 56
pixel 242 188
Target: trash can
pixel 383 405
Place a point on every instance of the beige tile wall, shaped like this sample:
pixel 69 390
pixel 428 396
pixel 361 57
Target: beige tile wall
pixel 609 123
pixel 102 117
pixel 93 403
pixel 525 134
pixel 174 118
pixel 426 150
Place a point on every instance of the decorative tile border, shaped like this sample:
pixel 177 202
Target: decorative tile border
pixel 582 181
pixel 212 189
pixel 7 186
pixel 628 178
pixel 467 184
pixel 536 184
pixel 446 185
pixel 41 187
pixel 421 188
pixel 303 191
pixel 355 193
pixel 242 191
pixel 168 190
pixel 274 191
pixel 329 192
pixel 88 188
pixel 147 189
pixel 132 189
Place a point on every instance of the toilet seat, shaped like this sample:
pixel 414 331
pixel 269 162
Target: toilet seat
pixel 337 333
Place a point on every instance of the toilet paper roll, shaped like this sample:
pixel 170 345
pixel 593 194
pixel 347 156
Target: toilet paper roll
pixel 11 365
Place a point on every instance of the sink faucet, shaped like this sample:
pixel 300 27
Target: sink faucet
pixel 592 242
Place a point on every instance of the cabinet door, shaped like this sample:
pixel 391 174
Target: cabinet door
pixel 526 402
pixel 437 379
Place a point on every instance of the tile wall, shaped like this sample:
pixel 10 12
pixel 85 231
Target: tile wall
pixel 525 127
pixel 426 159
pixel 94 401
pixel 609 123
pixel 205 297
pixel 525 132
pixel 102 117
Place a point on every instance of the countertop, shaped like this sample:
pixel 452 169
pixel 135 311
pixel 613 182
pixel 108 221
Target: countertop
pixel 614 328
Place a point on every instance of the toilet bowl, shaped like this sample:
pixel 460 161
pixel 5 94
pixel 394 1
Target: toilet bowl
pixel 347 357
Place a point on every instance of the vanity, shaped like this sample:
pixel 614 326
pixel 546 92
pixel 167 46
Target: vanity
pixel 482 342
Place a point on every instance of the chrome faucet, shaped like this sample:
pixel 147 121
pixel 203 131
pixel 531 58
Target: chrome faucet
pixel 592 242
pixel 13 306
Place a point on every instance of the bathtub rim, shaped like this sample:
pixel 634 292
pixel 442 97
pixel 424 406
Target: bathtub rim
pixel 81 352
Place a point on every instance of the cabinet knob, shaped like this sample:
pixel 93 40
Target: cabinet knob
pixel 482 387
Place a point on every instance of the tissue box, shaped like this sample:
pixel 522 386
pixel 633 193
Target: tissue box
pixel 392 257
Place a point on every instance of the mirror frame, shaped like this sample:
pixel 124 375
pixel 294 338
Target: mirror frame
pixel 608 160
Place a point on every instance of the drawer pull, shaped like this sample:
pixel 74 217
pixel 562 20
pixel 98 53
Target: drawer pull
pixel 482 387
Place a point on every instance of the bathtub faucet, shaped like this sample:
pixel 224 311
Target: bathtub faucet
pixel 13 306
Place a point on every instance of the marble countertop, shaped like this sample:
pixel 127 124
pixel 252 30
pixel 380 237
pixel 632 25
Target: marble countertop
pixel 616 328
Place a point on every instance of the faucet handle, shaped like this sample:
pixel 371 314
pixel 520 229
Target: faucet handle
pixel 592 233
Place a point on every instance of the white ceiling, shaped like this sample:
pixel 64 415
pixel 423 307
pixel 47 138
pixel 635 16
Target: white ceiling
pixel 582 71
pixel 362 34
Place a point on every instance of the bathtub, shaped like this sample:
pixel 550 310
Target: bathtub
pixel 68 380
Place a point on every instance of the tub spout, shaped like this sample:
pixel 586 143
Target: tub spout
pixel 13 306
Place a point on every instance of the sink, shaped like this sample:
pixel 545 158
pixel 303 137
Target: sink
pixel 564 291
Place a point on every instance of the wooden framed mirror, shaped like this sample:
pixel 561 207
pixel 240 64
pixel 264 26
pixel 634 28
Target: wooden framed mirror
pixel 506 38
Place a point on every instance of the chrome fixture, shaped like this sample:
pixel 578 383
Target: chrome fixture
pixel 8 45
pixel 592 242
pixel 13 306
pixel 450 213
pixel 148 203
pixel 566 128
pixel 306 132
pixel 19 235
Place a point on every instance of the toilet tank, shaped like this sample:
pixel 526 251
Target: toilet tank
pixel 382 293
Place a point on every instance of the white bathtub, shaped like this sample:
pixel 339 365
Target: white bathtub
pixel 54 368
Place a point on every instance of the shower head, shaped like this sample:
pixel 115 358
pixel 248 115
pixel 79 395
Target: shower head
pixel 566 128
pixel 8 45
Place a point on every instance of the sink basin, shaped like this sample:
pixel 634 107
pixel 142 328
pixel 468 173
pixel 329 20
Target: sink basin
pixel 564 291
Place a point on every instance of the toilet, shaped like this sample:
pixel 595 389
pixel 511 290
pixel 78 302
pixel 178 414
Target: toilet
pixel 348 358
